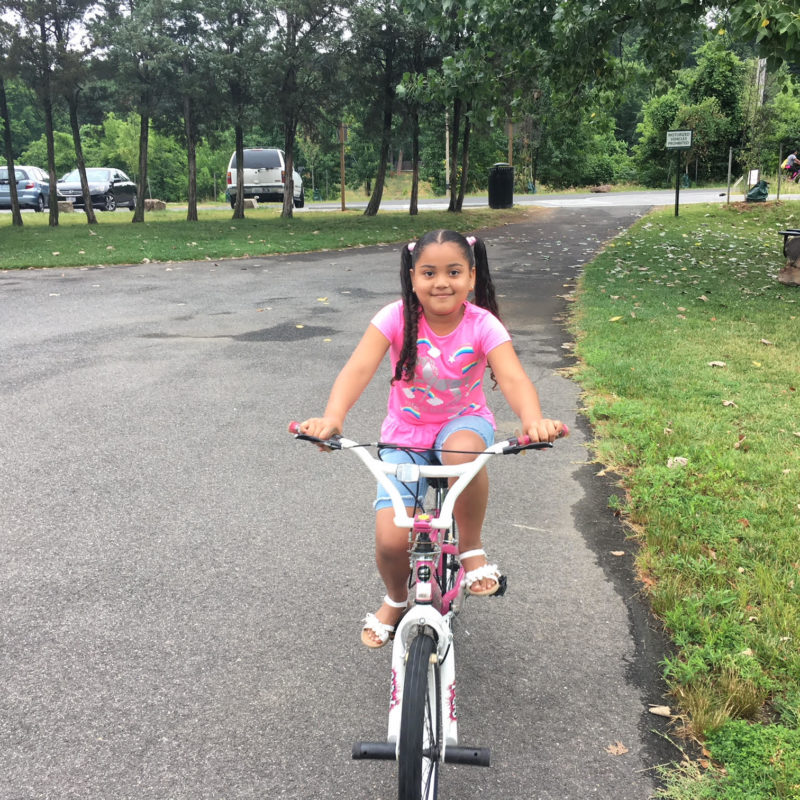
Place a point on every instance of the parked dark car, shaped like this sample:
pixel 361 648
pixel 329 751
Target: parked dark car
pixel 109 188
pixel 33 188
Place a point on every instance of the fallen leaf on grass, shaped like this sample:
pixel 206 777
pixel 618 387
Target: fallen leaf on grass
pixel 615 319
pixel 729 404
pixel 617 553
pixel 617 749
pixel 767 341
pixel 661 711
pixel 717 364
pixel 677 461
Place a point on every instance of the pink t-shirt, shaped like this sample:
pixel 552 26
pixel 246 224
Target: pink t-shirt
pixel 448 381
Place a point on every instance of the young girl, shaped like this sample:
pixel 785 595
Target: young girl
pixel 440 345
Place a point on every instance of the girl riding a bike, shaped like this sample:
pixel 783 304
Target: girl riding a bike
pixel 440 345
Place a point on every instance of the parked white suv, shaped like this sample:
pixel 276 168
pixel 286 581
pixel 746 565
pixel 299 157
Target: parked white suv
pixel 264 176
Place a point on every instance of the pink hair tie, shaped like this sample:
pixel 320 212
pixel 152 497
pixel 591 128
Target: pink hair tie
pixel 411 246
pixel 471 241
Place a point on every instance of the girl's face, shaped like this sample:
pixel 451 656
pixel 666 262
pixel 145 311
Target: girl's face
pixel 442 280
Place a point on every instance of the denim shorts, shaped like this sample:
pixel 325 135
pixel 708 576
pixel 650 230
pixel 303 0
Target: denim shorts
pixel 410 491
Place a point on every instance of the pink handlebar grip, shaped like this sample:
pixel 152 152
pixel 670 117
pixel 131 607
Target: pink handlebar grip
pixel 294 427
pixel 525 439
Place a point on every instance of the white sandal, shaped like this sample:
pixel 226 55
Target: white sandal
pixel 375 633
pixel 481 573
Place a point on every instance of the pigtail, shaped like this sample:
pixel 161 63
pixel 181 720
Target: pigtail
pixel 407 360
pixel 484 286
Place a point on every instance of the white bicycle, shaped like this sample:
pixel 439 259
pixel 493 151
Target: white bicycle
pixel 423 722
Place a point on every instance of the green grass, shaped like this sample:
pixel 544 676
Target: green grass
pixel 167 236
pixel 719 532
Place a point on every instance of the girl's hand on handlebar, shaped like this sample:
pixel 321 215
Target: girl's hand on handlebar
pixel 545 430
pixel 321 428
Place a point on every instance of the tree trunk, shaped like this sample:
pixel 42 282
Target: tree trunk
pixel 72 102
pixel 45 91
pixel 464 160
pixel 386 139
pixel 290 132
pixel 144 138
pixel 51 159
pixel 454 135
pixel 191 155
pixel 238 209
pixel 16 216
pixel 413 208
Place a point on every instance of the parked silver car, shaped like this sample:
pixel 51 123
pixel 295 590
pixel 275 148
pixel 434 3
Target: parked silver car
pixel 264 176
pixel 109 188
pixel 33 188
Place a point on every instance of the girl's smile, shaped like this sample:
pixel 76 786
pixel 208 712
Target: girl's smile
pixel 442 280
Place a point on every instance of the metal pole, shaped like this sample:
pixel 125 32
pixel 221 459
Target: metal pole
pixel 780 161
pixel 677 179
pixel 730 164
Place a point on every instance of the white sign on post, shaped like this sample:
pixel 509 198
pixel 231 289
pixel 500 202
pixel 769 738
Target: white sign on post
pixel 679 140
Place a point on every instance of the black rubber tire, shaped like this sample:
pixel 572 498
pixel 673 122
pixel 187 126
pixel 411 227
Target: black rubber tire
pixel 109 202
pixel 421 724
pixel 132 204
pixel 301 201
pixel 39 207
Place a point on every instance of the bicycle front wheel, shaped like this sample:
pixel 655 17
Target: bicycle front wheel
pixel 421 723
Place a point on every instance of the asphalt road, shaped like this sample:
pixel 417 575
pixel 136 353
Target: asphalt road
pixel 181 582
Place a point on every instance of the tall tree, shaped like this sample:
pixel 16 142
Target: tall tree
pixel 306 36
pixel 238 30
pixel 139 51
pixel 380 51
pixel 8 148
pixel 34 51
pixel 71 71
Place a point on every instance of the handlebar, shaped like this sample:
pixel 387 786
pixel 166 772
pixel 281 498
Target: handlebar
pixel 516 444
pixel 412 472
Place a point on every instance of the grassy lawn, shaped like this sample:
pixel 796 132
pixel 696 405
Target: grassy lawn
pixel 688 354
pixel 167 236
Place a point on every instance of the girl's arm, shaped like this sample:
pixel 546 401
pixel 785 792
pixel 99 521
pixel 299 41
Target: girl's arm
pixel 349 384
pixel 521 394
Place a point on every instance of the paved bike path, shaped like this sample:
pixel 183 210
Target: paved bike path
pixel 181 583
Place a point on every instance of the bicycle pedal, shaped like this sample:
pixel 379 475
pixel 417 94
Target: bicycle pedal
pixel 503 581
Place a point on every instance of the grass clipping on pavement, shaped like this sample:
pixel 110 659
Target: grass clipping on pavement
pixel 689 356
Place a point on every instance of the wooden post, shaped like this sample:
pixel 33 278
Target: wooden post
pixel 510 142
pixel 780 161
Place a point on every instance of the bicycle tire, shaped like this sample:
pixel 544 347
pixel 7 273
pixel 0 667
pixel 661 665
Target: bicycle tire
pixel 421 724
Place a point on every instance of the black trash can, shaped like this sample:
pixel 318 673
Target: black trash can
pixel 501 186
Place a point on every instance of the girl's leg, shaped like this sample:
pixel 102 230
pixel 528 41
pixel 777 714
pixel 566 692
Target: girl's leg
pixel 470 508
pixel 391 555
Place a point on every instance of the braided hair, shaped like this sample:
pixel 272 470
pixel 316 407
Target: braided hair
pixel 484 291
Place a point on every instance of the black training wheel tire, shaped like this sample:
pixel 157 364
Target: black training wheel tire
pixel 421 724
